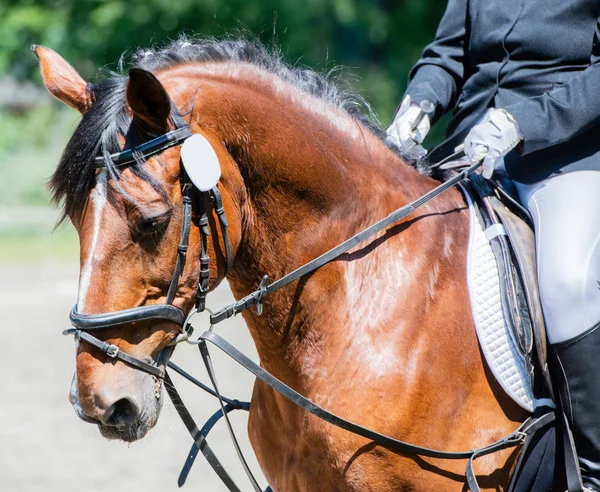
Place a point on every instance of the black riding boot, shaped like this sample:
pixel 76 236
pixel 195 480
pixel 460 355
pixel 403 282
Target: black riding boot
pixel 578 378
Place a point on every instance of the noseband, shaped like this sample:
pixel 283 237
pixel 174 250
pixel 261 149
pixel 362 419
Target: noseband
pixel 86 324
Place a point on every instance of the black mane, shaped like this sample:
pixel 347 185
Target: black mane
pixel 107 119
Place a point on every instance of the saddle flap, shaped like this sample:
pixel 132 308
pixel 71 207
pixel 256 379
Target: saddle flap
pixel 486 278
pixel 514 302
pixel 522 242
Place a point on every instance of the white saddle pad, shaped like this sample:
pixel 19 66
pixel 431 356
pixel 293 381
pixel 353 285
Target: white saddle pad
pixel 501 353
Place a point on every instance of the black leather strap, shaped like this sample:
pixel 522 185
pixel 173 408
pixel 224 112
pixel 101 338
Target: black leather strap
pixel 258 295
pixel 100 321
pixel 146 149
pixel 233 403
pixel 114 352
pixel 224 224
pixel 230 405
pixel 184 239
pixel 514 439
pixel 202 290
pixel 200 442
pixel 213 380
pixel 572 470
pixel 206 428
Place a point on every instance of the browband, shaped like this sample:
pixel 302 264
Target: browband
pixel 146 149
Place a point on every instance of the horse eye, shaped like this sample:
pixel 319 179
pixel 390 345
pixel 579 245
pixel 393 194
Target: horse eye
pixel 152 225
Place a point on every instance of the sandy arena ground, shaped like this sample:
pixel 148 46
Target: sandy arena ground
pixel 45 447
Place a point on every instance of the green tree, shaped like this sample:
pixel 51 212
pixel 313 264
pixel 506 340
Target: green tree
pixel 377 39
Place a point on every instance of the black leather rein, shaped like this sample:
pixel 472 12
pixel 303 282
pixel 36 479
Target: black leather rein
pixel 86 323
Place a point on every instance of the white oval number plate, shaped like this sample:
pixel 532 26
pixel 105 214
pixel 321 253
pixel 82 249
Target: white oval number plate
pixel 201 162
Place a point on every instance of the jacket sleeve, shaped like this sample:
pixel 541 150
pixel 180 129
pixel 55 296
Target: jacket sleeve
pixel 565 112
pixel 439 74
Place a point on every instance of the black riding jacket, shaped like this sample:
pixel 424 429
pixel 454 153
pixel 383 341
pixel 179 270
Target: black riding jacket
pixel 538 59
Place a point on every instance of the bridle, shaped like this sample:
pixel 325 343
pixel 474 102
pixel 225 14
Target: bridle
pixel 86 324
pixel 95 323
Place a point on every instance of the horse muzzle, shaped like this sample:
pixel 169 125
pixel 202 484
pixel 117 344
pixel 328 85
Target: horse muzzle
pixel 122 402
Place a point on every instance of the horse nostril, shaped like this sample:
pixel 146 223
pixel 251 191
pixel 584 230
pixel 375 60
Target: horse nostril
pixel 122 413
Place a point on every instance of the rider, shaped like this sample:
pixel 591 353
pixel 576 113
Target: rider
pixel 523 80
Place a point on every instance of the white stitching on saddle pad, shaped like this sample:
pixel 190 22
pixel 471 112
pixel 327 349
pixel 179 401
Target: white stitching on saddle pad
pixel 497 345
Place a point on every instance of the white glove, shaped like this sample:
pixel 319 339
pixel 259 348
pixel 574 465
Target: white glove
pixel 492 138
pixel 402 128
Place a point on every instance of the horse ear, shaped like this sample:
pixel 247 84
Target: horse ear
pixel 148 99
pixel 62 80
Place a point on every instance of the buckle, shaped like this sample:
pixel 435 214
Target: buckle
pixel 112 350
pixel 521 436
pixel 261 294
pixel 187 328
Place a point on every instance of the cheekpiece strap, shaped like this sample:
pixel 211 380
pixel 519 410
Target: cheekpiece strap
pixel 203 280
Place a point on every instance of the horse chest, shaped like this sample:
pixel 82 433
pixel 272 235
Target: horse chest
pixel 298 452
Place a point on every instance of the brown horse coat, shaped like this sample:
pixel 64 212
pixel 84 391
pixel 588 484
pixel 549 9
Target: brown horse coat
pixel 383 336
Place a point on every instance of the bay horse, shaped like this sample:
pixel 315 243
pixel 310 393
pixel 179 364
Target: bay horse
pixel 383 336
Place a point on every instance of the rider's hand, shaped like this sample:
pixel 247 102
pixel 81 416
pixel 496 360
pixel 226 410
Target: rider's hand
pixel 492 138
pixel 403 128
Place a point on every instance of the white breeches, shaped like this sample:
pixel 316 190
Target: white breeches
pixel 566 214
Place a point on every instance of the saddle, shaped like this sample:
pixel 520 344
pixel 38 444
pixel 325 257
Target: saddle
pixel 509 229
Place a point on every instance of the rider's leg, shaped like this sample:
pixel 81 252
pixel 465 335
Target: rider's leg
pixel 566 212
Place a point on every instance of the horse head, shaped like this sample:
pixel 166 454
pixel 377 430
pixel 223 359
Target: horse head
pixel 129 221
pixel 301 171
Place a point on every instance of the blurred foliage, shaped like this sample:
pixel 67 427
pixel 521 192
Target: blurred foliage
pixel 38 242
pixel 30 147
pixel 378 39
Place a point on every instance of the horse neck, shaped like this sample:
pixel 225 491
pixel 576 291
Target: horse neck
pixel 311 177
